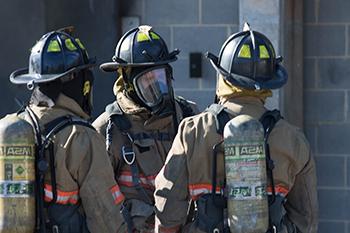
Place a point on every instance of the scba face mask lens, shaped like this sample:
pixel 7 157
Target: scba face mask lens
pixel 152 84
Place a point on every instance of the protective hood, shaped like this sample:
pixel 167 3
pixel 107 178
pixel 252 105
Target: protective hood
pixel 225 90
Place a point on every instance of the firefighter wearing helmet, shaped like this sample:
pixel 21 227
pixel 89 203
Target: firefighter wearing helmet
pixel 70 178
pixel 249 170
pixel 141 123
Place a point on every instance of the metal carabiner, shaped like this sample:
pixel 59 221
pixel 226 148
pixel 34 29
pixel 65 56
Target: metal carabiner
pixel 126 153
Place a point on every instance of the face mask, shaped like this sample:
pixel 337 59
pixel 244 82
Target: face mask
pixel 153 88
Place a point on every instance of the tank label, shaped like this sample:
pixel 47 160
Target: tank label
pixel 244 151
pixel 245 165
pixel 246 191
pixel 16 189
pixel 16 151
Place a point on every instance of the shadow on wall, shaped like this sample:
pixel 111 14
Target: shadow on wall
pixel 24 22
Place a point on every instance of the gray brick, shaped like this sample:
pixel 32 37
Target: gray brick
pixel 348 172
pixel 324 40
pixel 348 52
pixel 182 75
pixel 209 75
pixel 171 12
pixel 309 11
pixel 309 73
pixel 334 73
pixel 260 13
pixel 220 12
pixel 333 139
pixel 334 204
pixel 233 29
pixel 199 39
pixel 348 106
pixel 165 33
pixel 310 133
pixel 335 11
pixel 131 8
pixel 315 102
pixel 330 171
pixel 202 98
pixel 330 227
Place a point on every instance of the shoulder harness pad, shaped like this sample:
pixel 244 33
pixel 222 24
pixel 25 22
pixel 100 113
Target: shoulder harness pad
pixel 56 125
pixel 222 116
pixel 185 106
pixel 116 115
pixel 269 120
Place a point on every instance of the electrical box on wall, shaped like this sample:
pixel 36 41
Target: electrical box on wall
pixel 195 65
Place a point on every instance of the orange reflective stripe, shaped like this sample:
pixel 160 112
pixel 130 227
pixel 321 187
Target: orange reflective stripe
pixel 174 229
pixel 125 178
pixel 279 189
pixel 63 198
pixel 199 189
pixel 117 194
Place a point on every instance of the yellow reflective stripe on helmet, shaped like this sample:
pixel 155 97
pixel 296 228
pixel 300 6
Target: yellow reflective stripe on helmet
pixel 154 36
pixel 70 45
pixel 87 87
pixel 53 47
pixel 80 44
pixel 245 51
pixel 263 52
pixel 142 37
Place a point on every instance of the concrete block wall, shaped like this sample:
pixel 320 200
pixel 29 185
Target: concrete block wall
pixel 191 26
pixel 326 106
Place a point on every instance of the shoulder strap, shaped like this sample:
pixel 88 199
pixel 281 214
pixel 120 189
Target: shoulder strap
pixel 269 120
pixel 116 115
pixel 56 125
pixel 185 106
pixel 222 116
pixel 127 154
pixel 51 129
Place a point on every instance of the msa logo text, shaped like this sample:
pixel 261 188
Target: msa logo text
pixel 15 150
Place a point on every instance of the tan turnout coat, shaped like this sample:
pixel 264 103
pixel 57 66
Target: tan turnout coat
pixel 153 138
pixel 187 172
pixel 84 174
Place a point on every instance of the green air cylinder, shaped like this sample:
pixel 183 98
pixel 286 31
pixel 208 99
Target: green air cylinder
pixel 245 170
pixel 17 175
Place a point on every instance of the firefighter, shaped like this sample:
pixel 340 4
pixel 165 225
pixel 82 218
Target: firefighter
pixel 75 187
pixel 247 70
pixel 140 125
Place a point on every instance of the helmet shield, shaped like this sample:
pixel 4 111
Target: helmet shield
pixel 152 84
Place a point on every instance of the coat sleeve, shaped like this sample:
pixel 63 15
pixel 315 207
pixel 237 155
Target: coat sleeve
pixel 99 193
pixel 171 194
pixel 302 205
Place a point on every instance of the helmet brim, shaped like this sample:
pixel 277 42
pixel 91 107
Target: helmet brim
pixel 279 78
pixel 114 66
pixel 22 76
